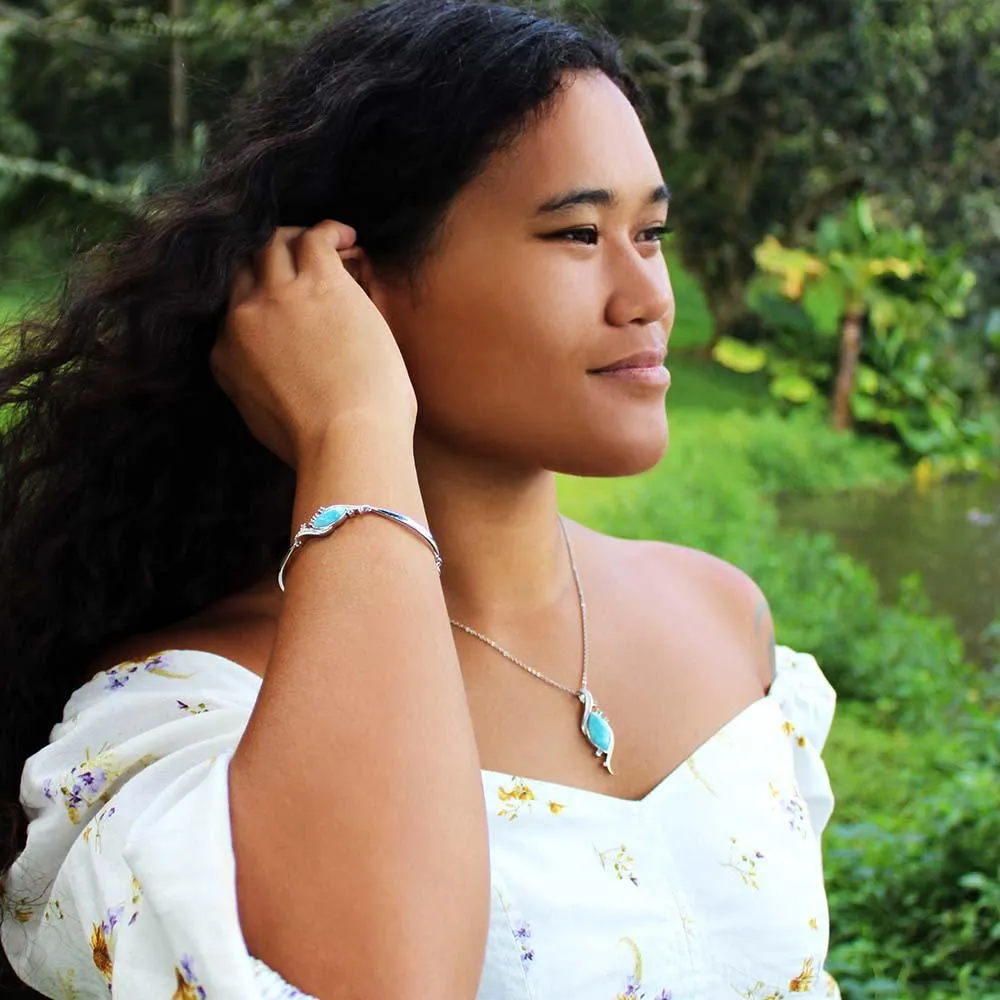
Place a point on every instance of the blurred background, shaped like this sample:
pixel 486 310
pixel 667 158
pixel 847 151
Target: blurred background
pixel 835 423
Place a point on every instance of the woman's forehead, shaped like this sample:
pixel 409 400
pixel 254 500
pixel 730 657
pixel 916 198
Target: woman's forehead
pixel 589 138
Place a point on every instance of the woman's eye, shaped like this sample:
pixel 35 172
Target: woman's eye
pixel 586 235
pixel 656 233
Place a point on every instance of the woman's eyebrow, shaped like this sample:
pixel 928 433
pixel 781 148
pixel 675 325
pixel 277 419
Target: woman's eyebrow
pixel 596 196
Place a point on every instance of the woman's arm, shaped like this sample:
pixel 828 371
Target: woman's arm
pixel 355 794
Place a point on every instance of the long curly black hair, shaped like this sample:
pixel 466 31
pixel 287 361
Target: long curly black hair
pixel 131 493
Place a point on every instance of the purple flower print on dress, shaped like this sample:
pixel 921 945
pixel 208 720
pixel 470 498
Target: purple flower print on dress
pixel 118 676
pixel 522 935
pixel 48 789
pixel 632 987
pixel 93 780
pixel 795 814
pixel 116 681
pixel 87 783
pixel 112 919
pixel 187 981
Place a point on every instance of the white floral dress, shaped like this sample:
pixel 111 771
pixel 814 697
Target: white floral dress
pixel 709 888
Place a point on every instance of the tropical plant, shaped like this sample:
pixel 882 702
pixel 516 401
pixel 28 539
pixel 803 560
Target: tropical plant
pixel 872 315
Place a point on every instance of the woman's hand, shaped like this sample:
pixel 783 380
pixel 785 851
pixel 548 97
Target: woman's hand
pixel 304 352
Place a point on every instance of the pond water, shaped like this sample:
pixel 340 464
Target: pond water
pixel 949 534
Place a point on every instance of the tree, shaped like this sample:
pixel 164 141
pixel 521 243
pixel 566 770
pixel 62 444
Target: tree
pixel 768 114
pixel 838 285
pixel 875 316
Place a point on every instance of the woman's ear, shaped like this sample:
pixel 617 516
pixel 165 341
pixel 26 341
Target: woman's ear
pixel 359 267
pixel 356 264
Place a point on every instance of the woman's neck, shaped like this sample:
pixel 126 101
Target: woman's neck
pixel 498 530
pixel 499 535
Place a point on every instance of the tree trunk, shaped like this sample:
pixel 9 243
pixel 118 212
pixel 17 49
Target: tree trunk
pixel 180 125
pixel 850 351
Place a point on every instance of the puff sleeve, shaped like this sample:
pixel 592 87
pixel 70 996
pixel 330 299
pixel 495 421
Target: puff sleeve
pixel 807 701
pixel 127 885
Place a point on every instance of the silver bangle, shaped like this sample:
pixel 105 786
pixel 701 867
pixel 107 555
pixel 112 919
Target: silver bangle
pixel 328 519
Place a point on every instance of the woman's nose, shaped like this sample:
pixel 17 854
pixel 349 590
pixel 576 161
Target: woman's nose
pixel 641 292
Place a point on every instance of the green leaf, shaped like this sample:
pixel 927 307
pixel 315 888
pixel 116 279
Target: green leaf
pixel 824 301
pixel 793 265
pixel 885 310
pixel 738 356
pixel 866 380
pixel 793 388
pixel 863 215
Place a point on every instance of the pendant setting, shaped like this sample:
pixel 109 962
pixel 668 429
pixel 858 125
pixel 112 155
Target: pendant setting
pixel 595 726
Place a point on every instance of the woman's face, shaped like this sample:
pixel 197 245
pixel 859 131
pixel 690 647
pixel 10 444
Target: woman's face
pixel 547 269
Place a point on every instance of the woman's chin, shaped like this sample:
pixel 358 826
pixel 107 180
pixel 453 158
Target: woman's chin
pixel 622 456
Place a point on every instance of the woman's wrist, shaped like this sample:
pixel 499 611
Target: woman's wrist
pixel 358 461
pixel 354 434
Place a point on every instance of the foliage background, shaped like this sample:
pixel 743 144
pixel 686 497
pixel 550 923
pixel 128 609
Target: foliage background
pixel 771 118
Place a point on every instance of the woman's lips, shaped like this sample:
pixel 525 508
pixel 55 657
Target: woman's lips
pixel 653 375
pixel 646 368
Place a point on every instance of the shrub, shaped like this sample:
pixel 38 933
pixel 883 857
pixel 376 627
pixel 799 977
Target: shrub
pixel 711 493
pixel 914 878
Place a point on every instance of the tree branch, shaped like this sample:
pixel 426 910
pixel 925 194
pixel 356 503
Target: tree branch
pixel 120 196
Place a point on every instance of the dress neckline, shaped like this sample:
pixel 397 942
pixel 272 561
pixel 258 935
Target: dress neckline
pixel 604 798
pixel 576 791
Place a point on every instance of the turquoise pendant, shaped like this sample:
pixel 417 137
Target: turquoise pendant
pixel 595 726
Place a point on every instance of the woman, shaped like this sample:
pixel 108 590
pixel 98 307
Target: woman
pixel 565 765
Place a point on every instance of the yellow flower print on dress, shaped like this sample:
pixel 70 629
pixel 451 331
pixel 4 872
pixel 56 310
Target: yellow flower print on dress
pixel 87 783
pixel 118 676
pixel 192 709
pixel 633 981
pixel 744 864
pixel 102 942
pixel 520 794
pixel 692 766
pixel 789 730
pixel 759 991
pixel 92 831
pixel 188 987
pixel 619 861
pixel 555 808
pixel 67 983
pixel 90 783
pixel 803 982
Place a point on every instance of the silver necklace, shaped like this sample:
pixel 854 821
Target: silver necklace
pixel 594 723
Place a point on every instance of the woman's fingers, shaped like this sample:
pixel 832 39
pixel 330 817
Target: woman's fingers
pixel 275 264
pixel 321 249
pixel 242 286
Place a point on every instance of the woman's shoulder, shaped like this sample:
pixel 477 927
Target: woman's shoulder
pixel 240 628
pixel 719 598
pixel 662 559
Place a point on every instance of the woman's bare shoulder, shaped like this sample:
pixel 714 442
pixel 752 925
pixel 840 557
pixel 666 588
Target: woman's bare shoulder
pixel 723 594
pixel 240 628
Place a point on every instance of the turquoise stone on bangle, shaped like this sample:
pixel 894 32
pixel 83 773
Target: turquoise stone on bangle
pixel 327 517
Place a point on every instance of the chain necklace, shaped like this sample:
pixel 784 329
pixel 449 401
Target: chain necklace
pixel 594 723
